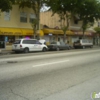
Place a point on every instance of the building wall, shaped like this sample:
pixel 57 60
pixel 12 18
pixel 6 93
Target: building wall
pixel 9 27
pixel 46 18
pixel 14 21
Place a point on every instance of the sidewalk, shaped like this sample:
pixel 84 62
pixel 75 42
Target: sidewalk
pixel 9 50
pixel 2 52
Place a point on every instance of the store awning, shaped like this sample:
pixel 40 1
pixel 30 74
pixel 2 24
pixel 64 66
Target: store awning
pixel 16 31
pixel 69 32
pixel 27 32
pixel 40 33
pixel 52 31
pixel 10 31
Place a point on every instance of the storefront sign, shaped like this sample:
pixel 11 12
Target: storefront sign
pixel 50 34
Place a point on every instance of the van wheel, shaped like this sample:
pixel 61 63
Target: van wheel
pixel 26 50
pixel 16 52
pixel 44 49
pixel 91 46
pixel 83 47
pixel 57 49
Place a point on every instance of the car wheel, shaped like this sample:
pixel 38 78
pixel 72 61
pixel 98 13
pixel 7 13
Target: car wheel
pixel 44 49
pixel 16 52
pixel 83 47
pixel 57 49
pixel 26 50
pixel 68 48
pixel 91 46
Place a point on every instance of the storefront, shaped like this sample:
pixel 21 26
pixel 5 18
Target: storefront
pixel 51 35
pixel 10 34
pixel 79 34
pixel 71 36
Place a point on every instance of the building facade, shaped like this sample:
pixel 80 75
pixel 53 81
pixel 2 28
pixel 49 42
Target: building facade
pixel 53 23
pixel 16 24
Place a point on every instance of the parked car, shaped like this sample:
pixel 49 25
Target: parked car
pixel 58 46
pixel 83 43
pixel 27 45
pixel 42 41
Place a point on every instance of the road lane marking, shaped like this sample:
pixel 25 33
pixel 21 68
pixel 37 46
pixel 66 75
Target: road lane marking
pixel 51 63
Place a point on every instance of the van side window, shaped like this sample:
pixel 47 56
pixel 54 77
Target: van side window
pixel 29 41
pixel 33 41
pixel 37 42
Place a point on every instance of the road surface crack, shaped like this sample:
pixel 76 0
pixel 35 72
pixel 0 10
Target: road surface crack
pixel 18 94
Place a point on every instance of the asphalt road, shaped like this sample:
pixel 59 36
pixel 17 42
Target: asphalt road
pixel 67 75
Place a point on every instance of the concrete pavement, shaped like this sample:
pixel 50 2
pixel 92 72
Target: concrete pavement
pixel 64 76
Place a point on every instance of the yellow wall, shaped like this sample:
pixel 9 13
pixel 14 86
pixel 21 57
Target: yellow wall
pixel 46 18
pixel 14 21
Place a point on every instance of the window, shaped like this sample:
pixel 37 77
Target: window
pixel 23 17
pixel 29 41
pixel 32 17
pixel 17 42
pixel 53 42
pixel 75 21
pixel 7 16
pixel 10 39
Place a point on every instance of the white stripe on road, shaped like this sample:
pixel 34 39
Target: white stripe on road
pixel 50 63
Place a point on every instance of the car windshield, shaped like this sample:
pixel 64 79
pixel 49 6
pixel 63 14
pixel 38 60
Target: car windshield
pixel 78 41
pixel 17 42
pixel 53 42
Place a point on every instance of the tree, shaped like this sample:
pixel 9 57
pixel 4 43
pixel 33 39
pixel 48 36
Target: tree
pixel 97 29
pixel 36 5
pixel 6 5
pixel 87 11
pixel 34 24
pixel 63 9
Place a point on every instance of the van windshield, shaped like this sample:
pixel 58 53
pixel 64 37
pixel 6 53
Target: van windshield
pixel 17 42
pixel 78 41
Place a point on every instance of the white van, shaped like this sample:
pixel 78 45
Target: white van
pixel 27 45
pixel 83 43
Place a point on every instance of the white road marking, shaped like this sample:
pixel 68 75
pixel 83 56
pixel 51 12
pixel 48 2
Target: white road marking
pixel 51 63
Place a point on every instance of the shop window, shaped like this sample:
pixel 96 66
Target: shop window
pixel 75 21
pixel 10 39
pixel 1 38
pixel 58 38
pixel 54 38
pixel 23 17
pixel 20 37
pixel 32 17
pixel 7 16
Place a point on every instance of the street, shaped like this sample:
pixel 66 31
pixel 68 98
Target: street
pixel 64 75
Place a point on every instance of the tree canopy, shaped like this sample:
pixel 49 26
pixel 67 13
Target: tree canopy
pixel 6 5
pixel 86 10
pixel 97 29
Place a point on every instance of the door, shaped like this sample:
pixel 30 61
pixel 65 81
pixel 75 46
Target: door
pixel 29 44
pixel 37 45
